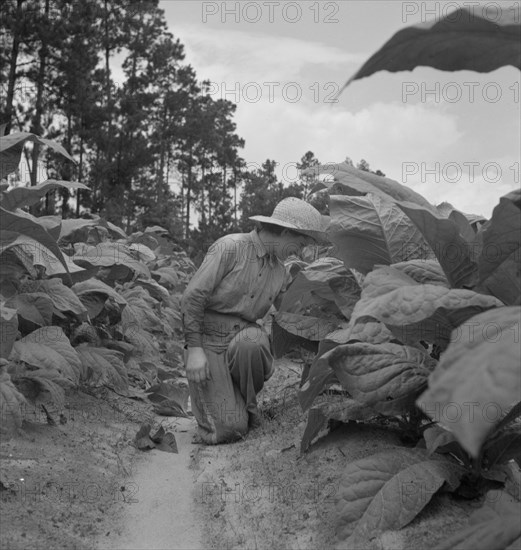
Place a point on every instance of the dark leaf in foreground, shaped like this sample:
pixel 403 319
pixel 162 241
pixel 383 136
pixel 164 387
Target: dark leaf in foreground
pixel 27 196
pixel 480 372
pixel 142 439
pixel 161 440
pixel 460 40
pixel 320 376
pixel 342 409
pixel 372 230
pixel 386 377
pixel 349 180
pixel 499 268
pixel 11 147
pixel 451 249
pixel 388 490
pixel 495 526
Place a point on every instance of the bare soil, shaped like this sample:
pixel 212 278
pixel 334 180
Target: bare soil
pixel 82 483
pixel 262 493
pixel 59 482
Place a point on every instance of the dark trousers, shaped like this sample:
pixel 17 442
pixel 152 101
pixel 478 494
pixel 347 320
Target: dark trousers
pixel 240 362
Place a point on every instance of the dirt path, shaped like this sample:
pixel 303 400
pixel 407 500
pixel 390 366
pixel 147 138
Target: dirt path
pixel 89 487
pixel 162 515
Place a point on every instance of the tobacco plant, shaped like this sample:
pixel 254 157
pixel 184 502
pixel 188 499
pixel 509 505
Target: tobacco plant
pixel 423 323
pixel 83 305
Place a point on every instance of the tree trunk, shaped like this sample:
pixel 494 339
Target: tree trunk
pixel 80 177
pixel 107 58
pixel 182 199
pixel 235 197
pixel 188 194
pixel 203 182
pixel 161 195
pixel 37 121
pixel 129 210
pixel 12 67
pixel 108 87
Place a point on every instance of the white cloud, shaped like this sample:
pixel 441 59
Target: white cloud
pixel 472 187
pixel 387 135
pixel 417 145
pixel 383 134
pixel 237 56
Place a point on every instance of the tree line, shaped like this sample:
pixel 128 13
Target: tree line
pixel 155 148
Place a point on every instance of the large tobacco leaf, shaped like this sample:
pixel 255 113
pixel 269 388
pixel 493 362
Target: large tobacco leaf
pixel 388 490
pixel 27 196
pixel 28 250
pixel 370 230
pixel 346 292
pixel 423 271
pixel 170 397
pixel 349 180
pixel 495 526
pixel 166 276
pixel 35 307
pixel 139 310
pixel 326 278
pixel 108 254
pixel 103 367
pixel 8 328
pixel 478 377
pixel 51 223
pixel 157 291
pixel 477 42
pixel 15 261
pixel 320 375
pixel 342 409
pixel 142 252
pixel 16 224
pixel 310 328
pixel 369 330
pixel 499 266
pixel 94 293
pixel 146 346
pixel 382 280
pixel 452 250
pixel 42 385
pixel 95 286
pixel 49 349
pixel 11 403
pixel 11 147
pixel 77 230
pixel 63 298
pixel 146 238
pixel 465 229
pixel 173 318
pixel 366 329
pixel 387 377
pixel 503 446
pixel 439 440
pixel 422 311
pixel 291 329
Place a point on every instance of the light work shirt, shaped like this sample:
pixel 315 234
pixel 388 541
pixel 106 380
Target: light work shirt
pixel 237 277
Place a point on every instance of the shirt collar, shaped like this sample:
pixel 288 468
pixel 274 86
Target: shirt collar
pixel 260 249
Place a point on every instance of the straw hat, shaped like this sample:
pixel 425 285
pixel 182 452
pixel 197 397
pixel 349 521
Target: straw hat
pixel 297 215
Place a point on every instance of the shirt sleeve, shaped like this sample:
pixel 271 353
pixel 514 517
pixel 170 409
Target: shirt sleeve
pixel 218 262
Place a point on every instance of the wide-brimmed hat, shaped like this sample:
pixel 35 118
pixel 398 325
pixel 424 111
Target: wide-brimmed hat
pixel 299 216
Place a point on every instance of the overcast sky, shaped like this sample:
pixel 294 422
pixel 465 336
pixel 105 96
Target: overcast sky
pixel 450 136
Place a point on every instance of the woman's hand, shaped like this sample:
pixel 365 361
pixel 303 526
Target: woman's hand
pixel 197 366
